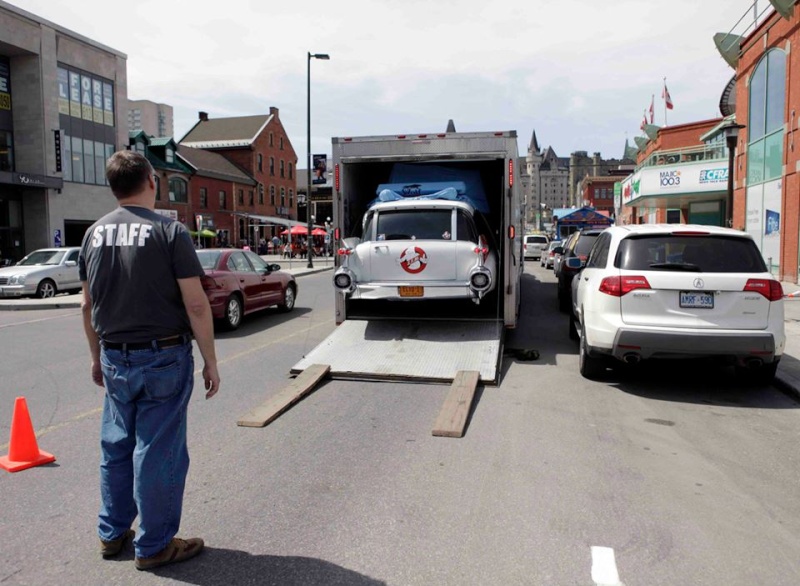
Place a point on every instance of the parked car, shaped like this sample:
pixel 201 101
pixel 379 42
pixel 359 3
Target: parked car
pixel 239 282
pixel 548 255
pixel 677 291
pixel 430 249
pixel 577 246
pixel 43 273
pixel 533 245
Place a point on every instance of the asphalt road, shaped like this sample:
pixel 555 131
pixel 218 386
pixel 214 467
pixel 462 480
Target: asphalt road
pixel 684 475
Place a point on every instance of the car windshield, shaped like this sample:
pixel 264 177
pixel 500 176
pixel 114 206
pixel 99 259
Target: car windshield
pixel 414 225
pixel 708 254
pixel 209 258
pixel 42 257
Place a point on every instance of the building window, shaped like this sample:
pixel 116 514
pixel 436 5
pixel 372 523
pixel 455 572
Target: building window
pixel 170 155
pixel 765 128
pixel 272 166
pixel 261 194
pixel 272 195
pixel 291 198
pixel 271 140
pixel 283 197
pixel 260 162
pixel 223 203
pixel 203 197
pixel 291 173
pixel 177 190
pixel 281 143
pixel 250 195
pixel 241 197
pixel 283 170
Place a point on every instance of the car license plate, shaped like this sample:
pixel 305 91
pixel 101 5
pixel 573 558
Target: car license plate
pixel 407 291
pixel 697 300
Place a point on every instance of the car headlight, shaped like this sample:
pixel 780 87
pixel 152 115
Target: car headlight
pixel 17 280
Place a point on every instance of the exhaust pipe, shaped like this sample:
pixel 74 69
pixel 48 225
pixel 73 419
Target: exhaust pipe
pixel 631 358
pixel 753 363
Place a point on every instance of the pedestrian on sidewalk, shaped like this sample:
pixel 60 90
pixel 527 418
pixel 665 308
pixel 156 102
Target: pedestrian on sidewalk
pixel 142 303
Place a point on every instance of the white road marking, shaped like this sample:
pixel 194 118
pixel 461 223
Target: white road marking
pixel 33 321
pixel 604 567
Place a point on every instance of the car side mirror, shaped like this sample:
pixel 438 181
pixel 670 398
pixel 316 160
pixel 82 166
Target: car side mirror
pixel 274 267
pixel 70 263
pixel 574 262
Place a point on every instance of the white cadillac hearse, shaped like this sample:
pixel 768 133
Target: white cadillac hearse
pixel 420 241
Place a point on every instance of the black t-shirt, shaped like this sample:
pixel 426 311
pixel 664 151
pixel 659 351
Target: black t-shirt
pixel 131 259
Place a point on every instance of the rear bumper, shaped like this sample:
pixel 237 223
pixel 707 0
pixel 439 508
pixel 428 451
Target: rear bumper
pixel 432 290
pixel 676 344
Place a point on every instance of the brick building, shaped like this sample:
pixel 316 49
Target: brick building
pixel 258 146
pixel 766 95
pixel 598 192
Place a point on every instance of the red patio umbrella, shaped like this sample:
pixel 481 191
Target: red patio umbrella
pixel 318 232
pixel 296 230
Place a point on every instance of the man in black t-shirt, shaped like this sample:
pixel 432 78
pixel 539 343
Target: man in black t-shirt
pixel 142 304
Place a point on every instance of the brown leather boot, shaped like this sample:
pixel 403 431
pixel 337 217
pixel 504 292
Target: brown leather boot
pixel 177 550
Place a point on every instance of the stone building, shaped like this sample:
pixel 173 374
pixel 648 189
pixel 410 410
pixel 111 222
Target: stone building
pixel 61 95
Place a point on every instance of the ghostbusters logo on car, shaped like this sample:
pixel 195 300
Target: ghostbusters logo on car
pixel 413 260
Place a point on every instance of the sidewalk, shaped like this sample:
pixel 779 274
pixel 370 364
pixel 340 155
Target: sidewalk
pixel 296 266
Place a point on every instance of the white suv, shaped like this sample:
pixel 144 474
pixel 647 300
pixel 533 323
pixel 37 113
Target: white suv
pixel 533 245
pixel 677 291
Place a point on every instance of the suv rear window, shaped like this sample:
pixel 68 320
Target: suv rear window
pixel 535 240
pixel 708 254
pixel 415 224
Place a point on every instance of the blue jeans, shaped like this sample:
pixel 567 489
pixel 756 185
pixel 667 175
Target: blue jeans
pixel 144 458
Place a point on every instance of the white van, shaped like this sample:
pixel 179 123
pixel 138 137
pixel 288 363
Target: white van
pixel 533 245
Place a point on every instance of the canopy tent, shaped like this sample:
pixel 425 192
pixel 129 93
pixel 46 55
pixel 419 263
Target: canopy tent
pixel 206 233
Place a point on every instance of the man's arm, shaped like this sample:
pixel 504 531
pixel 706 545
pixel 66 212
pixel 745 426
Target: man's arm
pixel 91 335
pixel 196 303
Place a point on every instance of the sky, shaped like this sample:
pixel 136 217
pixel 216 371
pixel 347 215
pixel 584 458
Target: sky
pixel 580 73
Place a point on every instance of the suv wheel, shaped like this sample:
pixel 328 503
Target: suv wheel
pixel 591 367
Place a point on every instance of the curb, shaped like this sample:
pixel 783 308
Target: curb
pixel 74 301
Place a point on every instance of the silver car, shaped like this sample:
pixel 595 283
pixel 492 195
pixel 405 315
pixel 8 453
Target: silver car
pixel 43 273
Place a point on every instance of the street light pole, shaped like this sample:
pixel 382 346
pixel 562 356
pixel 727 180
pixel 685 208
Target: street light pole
pixel 309 237
pixel 731 137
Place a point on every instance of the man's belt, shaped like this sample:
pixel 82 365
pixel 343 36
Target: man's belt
pixel 153 344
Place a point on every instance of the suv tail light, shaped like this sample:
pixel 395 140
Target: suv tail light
pixel 769 288
pixel 621 285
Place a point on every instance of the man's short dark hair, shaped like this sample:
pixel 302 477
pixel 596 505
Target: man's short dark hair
pixel 127 173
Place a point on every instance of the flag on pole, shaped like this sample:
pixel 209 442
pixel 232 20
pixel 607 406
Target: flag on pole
pixel 652 105
pixel 667 98
pixel 644 121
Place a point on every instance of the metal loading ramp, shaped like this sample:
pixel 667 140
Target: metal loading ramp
pixel 409 350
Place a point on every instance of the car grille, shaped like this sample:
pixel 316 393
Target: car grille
pixel 3 280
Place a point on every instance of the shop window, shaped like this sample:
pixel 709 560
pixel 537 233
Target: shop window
pixel 6 151
pixel 177 190
pixel 766 118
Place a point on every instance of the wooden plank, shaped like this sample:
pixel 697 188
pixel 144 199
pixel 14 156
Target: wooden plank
pixel 452 418
pixel 268 411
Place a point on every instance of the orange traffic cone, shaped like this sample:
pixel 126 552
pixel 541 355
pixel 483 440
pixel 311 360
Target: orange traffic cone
pixel 23 451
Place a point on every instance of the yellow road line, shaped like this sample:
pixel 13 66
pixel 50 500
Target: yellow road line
pixel 197 372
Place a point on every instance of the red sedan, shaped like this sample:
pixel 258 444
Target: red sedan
pixel 239 282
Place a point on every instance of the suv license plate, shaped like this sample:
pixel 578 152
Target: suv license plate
pixel 411 291
pixel 697 300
